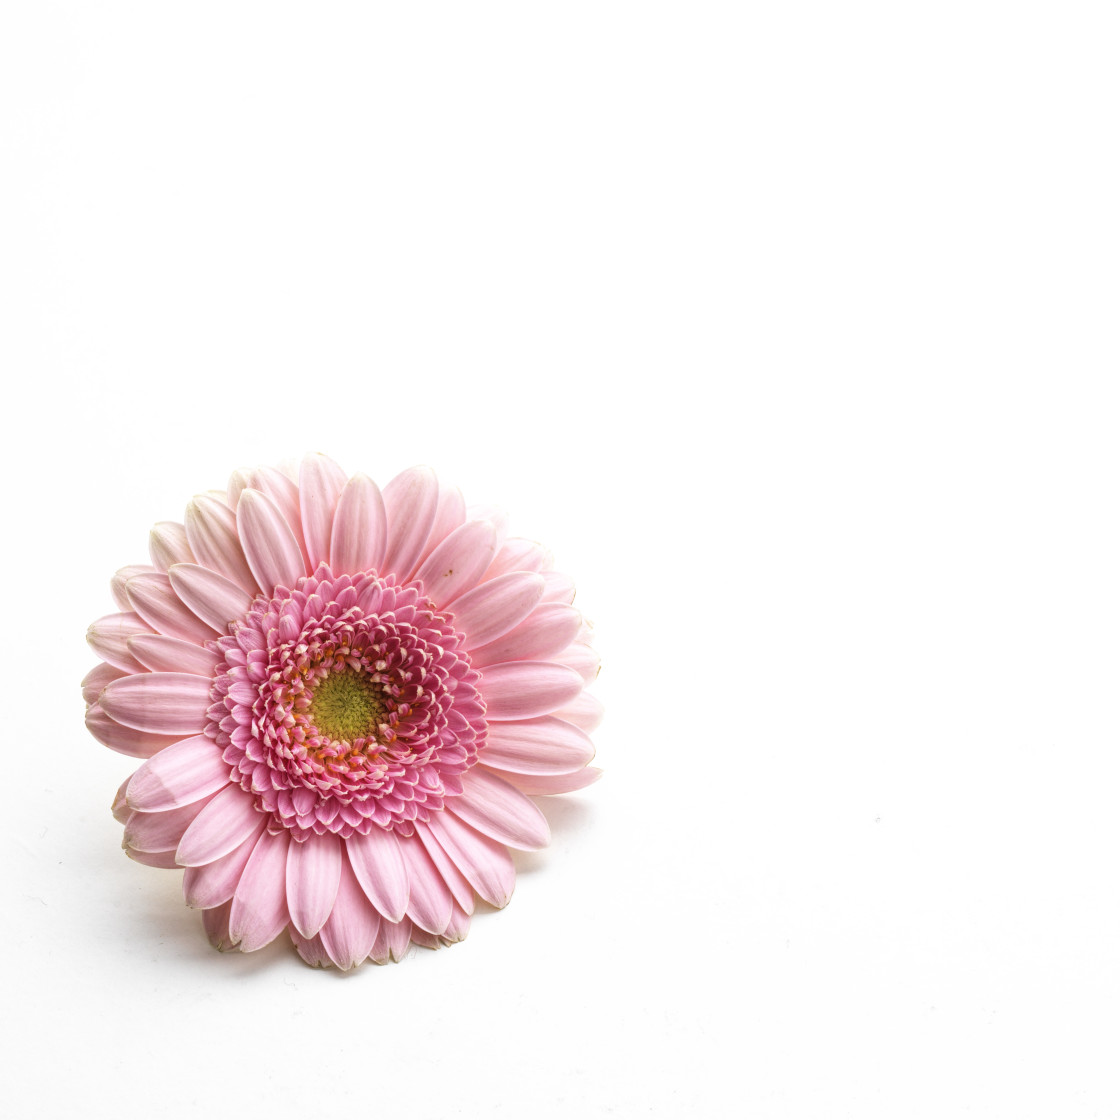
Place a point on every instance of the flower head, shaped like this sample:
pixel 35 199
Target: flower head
pixel 343 695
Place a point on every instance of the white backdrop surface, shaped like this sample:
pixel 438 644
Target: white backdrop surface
pixel 792 330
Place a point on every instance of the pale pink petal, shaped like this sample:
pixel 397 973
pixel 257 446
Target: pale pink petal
pixel 108 638
pixel 518 555
pixel 460 889
pixel 212 532
pixel 285 494
pixel 121 811
pixel 358 536
pixel 163 654
pixel 548 629
pixel 118 584
pixel 585 711
pixel 379 954
pixel 163 860
pixel 238 481
pixel 179 775
pixel 380 869
pixel 429 900
pixel 311 949
pixel 351 930
pixel 158 605
pixel 312 876
pixel 274 554
pixel 161 832
pixel 451 512
pixel 164 703
pixel 541 785
pixel 411 500
pixel 217 601
pixel 168 544
pixel 399 936
pixel 580 657
pixel 558 588
pixel 211 884
pixel 497 517
pixel 125 740
pixel 545 745
pixel 458 928
pixel 216 924
pixel 320 482
pixel 492 609
pixel 97 678
pixel 259 911
pixel 524 689
pixel 220 827
pixel 497 810
pixel 424 939
pixel 456 565
pixel 485 864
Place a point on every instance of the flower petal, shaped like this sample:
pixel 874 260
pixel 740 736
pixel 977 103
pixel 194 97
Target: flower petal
pixel 181 774
pixel 168 544
pixel 485 864
pixel 320 482
pixel 558 588
pixel 274 554
pixel 497 810
pixel 451 512
pixel 225 823
pixel 548 629
pixel 157 604
pixel 311 949
pixel 164 860
pixel 216 600
pixel 541 785
pixel 517 554
pixel 211 884
pixel 212 532
pixel 97 678
pixel 455 566
pixel 118 584
pixel 585 711
pixel 121 811
pixel 458 928
pixel 259 911
pixel 216 924
pixel 358 536
pixel 492 609
pixel 524 689
pixel 399 936
pixel 411 500
pixel 582 658
pixel 350 931
pixel 429 900
pixel 163 703
pixel 163 654
pixel 380 869
pixel 125 740
pixel 312 877
pixel 161 832
pixel 285 494
pixel 545 745
pixel 108 638
pixel 460 889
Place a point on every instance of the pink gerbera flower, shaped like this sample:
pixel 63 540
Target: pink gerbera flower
pixel 344 696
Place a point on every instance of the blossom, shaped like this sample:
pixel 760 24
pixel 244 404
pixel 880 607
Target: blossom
pixel 344 696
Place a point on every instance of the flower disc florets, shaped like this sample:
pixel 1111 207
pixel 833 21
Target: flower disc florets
pixel 346 703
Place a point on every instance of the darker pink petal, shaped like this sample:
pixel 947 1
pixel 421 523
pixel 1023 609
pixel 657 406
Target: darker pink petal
pixel 497 810
pixel 259 911
pixel 312 875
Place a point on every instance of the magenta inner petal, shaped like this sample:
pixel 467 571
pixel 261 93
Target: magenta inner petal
pixel 346 703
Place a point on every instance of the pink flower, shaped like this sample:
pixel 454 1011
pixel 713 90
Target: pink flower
pixel 344 696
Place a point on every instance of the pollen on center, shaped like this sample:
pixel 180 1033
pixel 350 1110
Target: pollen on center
pixel 347 705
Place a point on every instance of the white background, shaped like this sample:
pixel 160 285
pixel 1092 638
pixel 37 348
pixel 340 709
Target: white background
pixel 792 328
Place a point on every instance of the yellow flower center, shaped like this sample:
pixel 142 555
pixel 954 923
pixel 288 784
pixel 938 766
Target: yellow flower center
pixel 347 705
